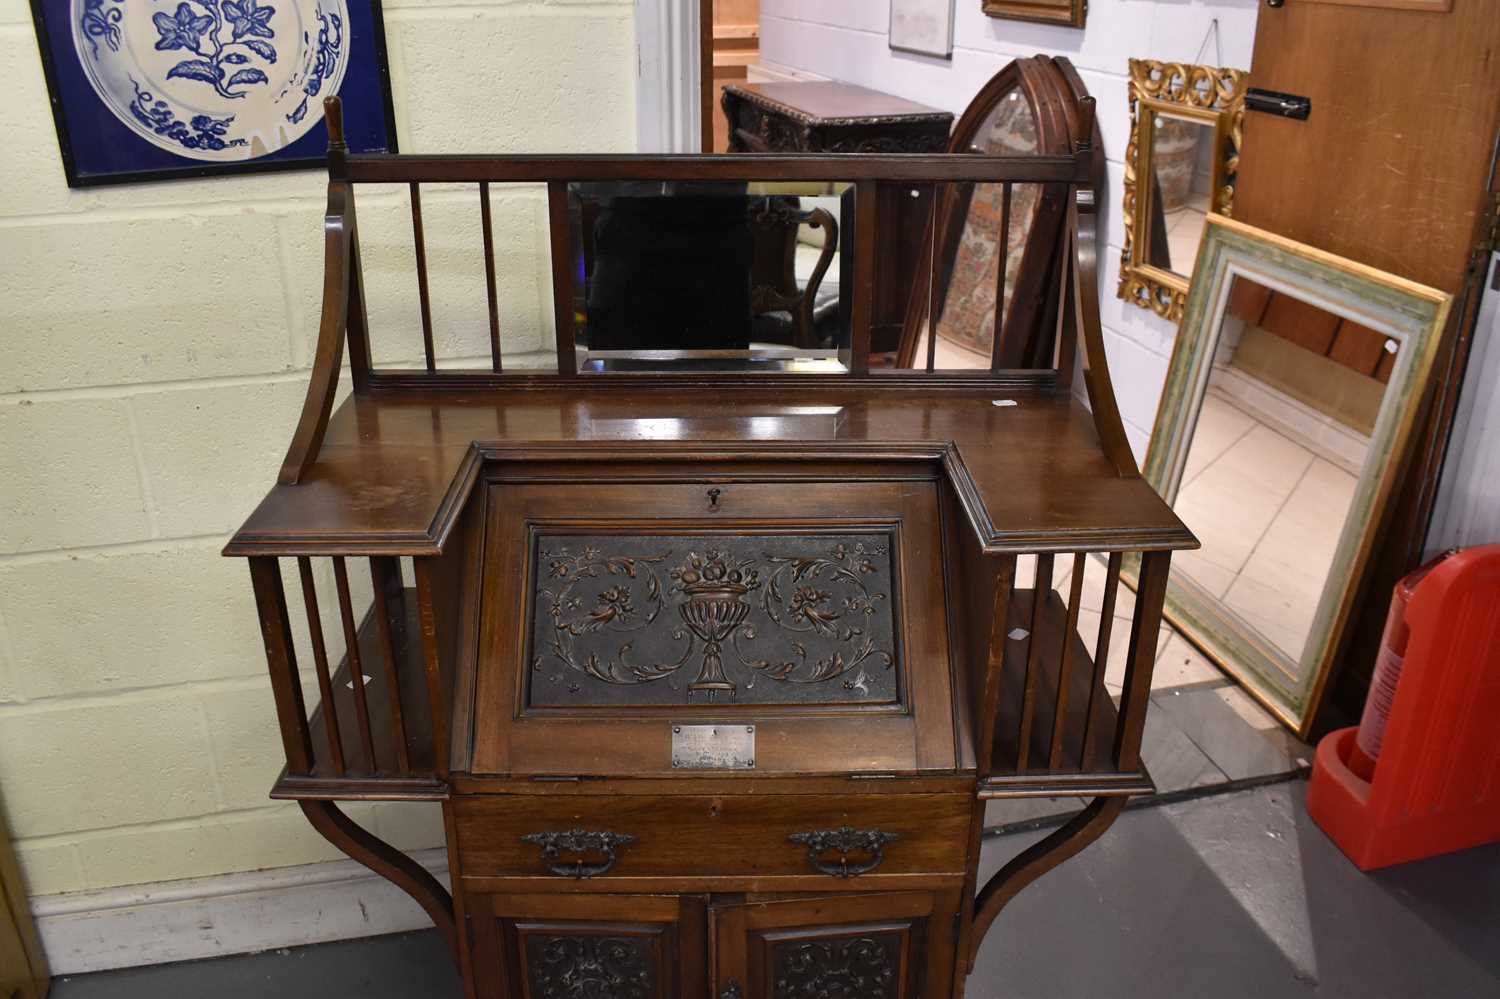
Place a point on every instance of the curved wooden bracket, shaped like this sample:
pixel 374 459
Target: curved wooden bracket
pixel 1081 293
pixel 1036 860
pixel 385 860
pixel 338 240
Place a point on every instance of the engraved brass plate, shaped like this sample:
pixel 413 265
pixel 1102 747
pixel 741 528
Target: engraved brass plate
pixel 713 747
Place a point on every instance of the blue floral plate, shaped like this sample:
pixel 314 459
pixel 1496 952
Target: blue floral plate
pixel 219 80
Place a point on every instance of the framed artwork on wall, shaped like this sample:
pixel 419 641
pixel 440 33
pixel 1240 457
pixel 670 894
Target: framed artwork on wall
pixel 922 26
pixel 162 89
pixel 1066 12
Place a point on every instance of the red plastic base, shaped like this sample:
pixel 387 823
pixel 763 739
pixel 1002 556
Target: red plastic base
pixel 1436 787
pixel 1339 802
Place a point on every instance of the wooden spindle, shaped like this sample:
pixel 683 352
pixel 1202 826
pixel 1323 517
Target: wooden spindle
pixel 437 689
pixel 993 685
pixel 489 274
pixel 1087 112
pixel 381 577
pixel 1041 587
pixel 934 274
pixel 862 310
pixel 281 658
pixel 338 150
pixel 1145 628
pixel 423 298
pixel 1065 666
pixel 1101 652
pixel 562 277
pixel 320 662
pixel 356 667
pixel 1002 258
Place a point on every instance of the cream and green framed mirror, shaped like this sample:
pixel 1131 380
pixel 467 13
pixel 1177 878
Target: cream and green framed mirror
pixel 1187 124
pixel 1288 406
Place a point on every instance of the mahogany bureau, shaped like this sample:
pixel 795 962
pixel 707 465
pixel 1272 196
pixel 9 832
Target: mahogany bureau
pixel 710 662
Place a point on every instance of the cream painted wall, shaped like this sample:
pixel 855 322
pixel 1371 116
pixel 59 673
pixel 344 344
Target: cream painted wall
pixel 156 340
pixel 846 40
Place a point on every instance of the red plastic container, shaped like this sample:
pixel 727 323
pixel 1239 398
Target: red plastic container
pixel 1436 783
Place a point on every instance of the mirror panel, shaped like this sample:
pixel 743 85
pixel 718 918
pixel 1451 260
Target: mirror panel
pixel 1282 432
pixel 1290 397
pixel 1182 184
pixel 710 276
pixel 967 303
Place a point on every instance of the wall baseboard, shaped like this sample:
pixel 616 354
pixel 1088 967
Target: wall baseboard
pixel 230 914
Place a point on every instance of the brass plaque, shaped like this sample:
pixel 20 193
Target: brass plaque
pixel 713 747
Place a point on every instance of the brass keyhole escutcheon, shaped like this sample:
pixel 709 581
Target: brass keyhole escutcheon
pixel 713 498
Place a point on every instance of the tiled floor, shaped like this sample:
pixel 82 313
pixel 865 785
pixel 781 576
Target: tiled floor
pixel 1185 232
pixel 1268 512
pixel 1237 895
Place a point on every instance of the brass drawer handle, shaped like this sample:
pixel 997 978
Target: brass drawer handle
pixel 580 841
pixel 732 991
pixel 845 840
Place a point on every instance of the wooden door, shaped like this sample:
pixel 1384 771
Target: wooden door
pixel 630 946
pixel 1391 169
pixel 23 968
pixel 735 44
pixel 895 945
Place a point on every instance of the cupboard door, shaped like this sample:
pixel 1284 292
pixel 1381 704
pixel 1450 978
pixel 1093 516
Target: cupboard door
pixel 895 945
pixel 589 946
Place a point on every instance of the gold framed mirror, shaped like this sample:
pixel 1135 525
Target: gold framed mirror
pixel 1287 412
pixel 1187 124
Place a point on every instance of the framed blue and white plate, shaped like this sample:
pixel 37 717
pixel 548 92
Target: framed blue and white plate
pixel 155 89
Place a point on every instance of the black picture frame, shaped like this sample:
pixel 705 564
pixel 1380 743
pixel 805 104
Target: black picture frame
pixel 84 123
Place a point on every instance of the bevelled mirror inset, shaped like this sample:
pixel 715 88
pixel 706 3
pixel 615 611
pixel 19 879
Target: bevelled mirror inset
pixel 1187 126
pixel 710 276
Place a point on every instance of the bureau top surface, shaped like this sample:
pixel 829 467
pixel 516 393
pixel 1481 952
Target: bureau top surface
pixel 820 101
pixel 395 468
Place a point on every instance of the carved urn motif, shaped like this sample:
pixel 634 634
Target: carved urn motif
pixel 715 588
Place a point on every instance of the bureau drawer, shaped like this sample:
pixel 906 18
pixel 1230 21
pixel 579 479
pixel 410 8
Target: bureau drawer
pixel 689 836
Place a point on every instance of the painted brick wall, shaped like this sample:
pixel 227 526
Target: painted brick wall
pixel 847 40
pixel 156 340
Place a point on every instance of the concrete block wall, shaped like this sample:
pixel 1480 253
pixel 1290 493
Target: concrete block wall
pixel 156 340
pixel 847 40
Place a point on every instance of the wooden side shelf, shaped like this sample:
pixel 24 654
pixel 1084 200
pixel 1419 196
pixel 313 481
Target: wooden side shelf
pixel 1083 763
pixel 385 780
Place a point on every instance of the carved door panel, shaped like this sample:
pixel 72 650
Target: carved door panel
pixel 895 945
pixel 589 946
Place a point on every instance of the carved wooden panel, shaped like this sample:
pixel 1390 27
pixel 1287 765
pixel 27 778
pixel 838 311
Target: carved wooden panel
pixel 591 966
pixel 862 966
pixel 663 619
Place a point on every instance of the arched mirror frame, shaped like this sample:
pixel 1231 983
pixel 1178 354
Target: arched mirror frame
pixel 1026 333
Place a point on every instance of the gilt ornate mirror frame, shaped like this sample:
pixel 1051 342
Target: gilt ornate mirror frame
pixel 1410 313
pixel 1209 94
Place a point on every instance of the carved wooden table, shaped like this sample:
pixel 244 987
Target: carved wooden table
pixel 711 673
pixel 826 117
